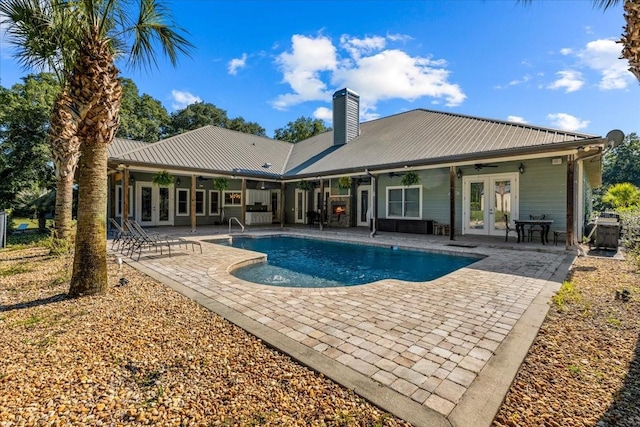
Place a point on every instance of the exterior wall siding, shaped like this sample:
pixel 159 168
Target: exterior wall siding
pixel 543 190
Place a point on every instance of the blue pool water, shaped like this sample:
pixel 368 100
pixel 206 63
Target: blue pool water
pixel 312 263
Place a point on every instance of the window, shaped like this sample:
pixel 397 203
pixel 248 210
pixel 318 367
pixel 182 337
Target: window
pixel 404 202
pixel 232 198
pixel 119 200
pixel 182 202
pixel 214 202
pixel 200 205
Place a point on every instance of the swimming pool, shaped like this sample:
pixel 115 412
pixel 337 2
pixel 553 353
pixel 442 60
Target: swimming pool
pixel 314 263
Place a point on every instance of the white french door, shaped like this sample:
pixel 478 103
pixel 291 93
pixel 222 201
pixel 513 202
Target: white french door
pixel 300 209
pixel 487 199
pixel 364 205
pixel 154 204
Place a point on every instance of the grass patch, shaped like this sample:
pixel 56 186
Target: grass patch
pixel 31 321
pixel 15 269
pixel 567 295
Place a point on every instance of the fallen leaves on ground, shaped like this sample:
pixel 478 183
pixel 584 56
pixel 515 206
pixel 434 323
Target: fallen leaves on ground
pixel 144 355
pixel 583 368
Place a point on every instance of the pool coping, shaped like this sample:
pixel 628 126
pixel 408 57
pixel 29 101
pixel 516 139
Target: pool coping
pixel 479 403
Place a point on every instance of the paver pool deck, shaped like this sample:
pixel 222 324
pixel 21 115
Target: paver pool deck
pixel 437 353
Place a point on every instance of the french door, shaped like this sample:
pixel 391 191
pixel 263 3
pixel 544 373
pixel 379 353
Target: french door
pixel 154 204
pixel 364 205
pixel 487 201
pixel 300 209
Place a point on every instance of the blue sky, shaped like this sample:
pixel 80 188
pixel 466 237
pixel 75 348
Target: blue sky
pixel 552 63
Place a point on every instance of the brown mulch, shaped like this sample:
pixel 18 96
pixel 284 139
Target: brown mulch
pixel 143 354
pixel 583 368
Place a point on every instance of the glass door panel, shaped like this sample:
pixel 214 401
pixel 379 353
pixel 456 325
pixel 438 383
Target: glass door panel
pixel 475 220
pixel 502 199
pixel 163 204
pixel 146 206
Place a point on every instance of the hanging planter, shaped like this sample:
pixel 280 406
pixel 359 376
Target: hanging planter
pixel 220 183
pixel 410 178
pixel 163 178
pixel 304 185
pixel 344 182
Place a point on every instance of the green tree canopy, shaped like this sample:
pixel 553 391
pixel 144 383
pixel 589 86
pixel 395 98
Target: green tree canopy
pixel 142 118
pixel 300 129
pixel 622 164
pixel 25 163
pixel 201 114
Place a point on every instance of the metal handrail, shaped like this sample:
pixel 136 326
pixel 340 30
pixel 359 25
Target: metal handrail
pixel 238 221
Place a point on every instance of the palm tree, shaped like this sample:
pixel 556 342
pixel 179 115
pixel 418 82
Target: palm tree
pixel 44 41
pixel 631 35
pixel 93 34
pixel 106 32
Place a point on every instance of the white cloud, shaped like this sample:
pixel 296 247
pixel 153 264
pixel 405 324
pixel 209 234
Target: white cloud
pixel 566 121
pixel 301 68
pixel 603 56
pixel 399 37
pixel 182 99
pixel 358 47
pixel 236 64
pixel 566 51
pixel 516 82
pixel 516 119
pixel 324 113
pixel 570 80
pixel 377 73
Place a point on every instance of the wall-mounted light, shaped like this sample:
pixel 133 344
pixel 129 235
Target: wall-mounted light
pixel 178 181
pixel 521 168
pixel 459 173
pixel 132 178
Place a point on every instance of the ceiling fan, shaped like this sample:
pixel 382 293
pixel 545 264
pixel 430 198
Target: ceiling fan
pixel 479 166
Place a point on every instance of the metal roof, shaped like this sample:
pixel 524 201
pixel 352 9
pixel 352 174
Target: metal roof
pixel 424 136
pixel 214 149
pixel 412 138
pixel 120 146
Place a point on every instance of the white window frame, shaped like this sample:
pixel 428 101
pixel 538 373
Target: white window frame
pixel 204 202
pixel 403 188
pixel 217 193
pixel 188 192
pixel 224 198
pixel 118 202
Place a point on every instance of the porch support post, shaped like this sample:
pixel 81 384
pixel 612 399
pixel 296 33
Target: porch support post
pixel 242 198
pixel 125 197
pixel 321 203
pixel 192 202
pixel 374 196
pixel 112 196
pixel 570 200
pixel 282 205
pixel 452 203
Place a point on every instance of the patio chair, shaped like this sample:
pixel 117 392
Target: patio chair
pixel 160 240
pixel 140 239
pixel 121 237
pixel 533 229
pixel 508 227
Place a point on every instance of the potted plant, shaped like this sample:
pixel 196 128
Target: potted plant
pixel 163 178
pixel 410 178
pixel 221 183
pixel 304 185
pixel 344 182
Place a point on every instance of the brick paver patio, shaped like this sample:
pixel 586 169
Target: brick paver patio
pixel 426 341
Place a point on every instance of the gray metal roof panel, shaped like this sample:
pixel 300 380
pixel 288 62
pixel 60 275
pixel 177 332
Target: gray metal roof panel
pixel 120 146
pixel 216 149
pixel 423 135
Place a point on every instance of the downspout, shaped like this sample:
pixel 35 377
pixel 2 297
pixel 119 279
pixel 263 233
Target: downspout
pixel 374 196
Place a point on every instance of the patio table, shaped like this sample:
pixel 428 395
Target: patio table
pixel 544 223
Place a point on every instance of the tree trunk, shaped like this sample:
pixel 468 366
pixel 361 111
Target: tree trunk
pixel 65 149
pixel 96 94
pixel 90 260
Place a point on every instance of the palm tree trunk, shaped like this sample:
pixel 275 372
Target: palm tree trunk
pixel 96 94
pixel 631 36
pixel 65 149
pixel 90 260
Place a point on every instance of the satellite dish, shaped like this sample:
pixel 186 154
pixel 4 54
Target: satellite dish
pixel 614 138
